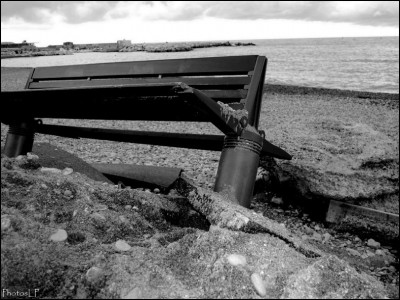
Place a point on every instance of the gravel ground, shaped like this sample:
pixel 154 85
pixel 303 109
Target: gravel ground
pixel 281 106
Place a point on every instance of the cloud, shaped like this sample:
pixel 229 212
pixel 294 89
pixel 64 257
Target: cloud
pixel 375 13
pixel 40 12
pixel 385 13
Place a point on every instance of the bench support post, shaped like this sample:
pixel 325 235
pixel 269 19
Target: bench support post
pixel 19 139
pixel 238 166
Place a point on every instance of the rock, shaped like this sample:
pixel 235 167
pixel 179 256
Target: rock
pixel 136 293
pixel 28 162
pixel 5 223
pixel 67 193
pixel 123 220
pixel 50 170
pixel 326 237
pixel 121 245
pixel 258 284
pixel 236 260
pixel 59 236
pixel 379 252
pixel 277 200
pixel 308 230
pixel 353 252
pixel 373 244
pixel 316 236
pixel 392 269
pixel 128 207
pixel 332 278
pixel 31 156
pixel 101 207
pixel 99 219
pixel 67 171
pixel 340 159
pixel 95 275
pixel 156 191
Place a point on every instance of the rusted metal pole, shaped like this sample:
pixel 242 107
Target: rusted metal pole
pixel 19 139
pixel 238 165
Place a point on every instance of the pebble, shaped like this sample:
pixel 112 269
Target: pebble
pixel 31 156
pixel 101 207
pixel 95 275
pixel 123 220
pixel 60 236
pixel 20 157
pixel 98 217
pixel 136 293
pixel 373 244
pixel 236 260
pixel 353 252
pixel 121 245
pixel 316 236
pixel 67 193
pixel 50 170
pixel 5 223
pixel 43 186
pixel 128 207
pixel 326 236
pixel 67 171
pixel 308 230
pixel 258 284
pixel 277 200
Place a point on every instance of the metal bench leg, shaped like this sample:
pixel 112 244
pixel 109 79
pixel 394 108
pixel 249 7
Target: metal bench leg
pixel 237 168
pixel 19 138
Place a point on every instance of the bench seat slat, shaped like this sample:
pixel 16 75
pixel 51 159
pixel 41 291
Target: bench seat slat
pixel 106 103
pixel 226 82
pixel 193 66
pixel 234 95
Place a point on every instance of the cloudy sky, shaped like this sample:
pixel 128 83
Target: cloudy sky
pixel 54 22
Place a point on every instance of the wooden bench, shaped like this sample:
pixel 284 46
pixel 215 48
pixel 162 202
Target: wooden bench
pixel 226 91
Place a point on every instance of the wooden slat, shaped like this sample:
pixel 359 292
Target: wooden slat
pixel 251 100
pixel 229 94
pixel 226 82
pixel 215 94
pixel 191 66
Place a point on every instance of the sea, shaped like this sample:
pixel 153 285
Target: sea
pixel 360 64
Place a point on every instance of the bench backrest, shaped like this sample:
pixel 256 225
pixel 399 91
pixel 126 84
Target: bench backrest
pixel 232 79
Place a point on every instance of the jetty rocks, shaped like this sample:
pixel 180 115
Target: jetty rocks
pixel 129 243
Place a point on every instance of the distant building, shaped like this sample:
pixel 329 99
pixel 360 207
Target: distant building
pixel 5 45
pixel 123 43
pixel 68 45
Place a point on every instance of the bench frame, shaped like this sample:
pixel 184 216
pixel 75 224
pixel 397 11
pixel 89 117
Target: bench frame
pixel 226 91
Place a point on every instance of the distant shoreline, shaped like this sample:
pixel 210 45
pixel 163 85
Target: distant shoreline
pixel 158 48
